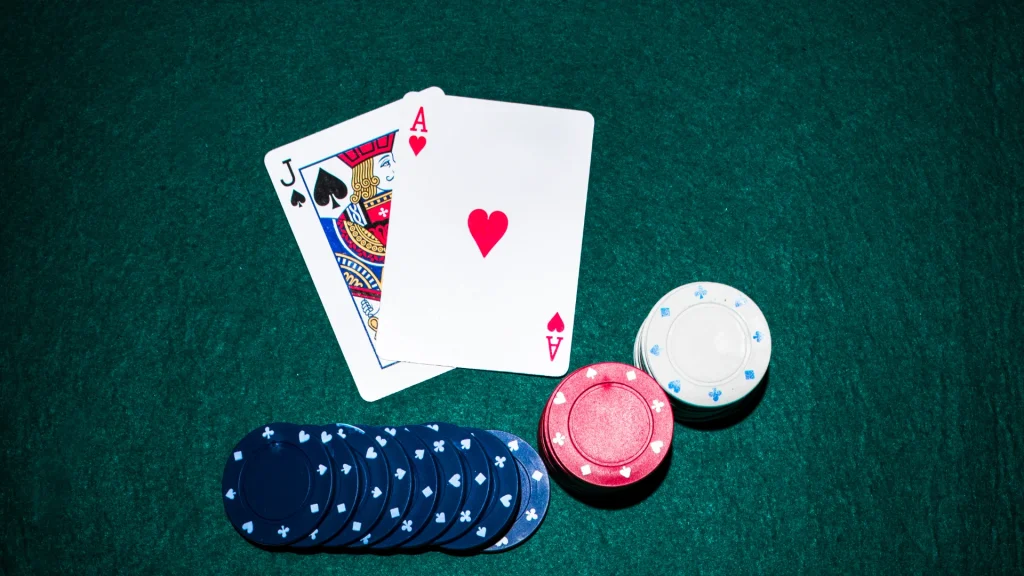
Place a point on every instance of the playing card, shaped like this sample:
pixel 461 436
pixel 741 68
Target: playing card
pixel 484 251
pixel 336 188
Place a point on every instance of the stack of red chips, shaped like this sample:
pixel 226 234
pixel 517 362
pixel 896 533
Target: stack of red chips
pixel 606 430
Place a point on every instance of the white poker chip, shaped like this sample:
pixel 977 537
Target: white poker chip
pixel 707 344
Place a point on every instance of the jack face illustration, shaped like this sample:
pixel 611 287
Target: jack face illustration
pixel 351 193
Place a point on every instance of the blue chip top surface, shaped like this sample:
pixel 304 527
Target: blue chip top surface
pixel 277 484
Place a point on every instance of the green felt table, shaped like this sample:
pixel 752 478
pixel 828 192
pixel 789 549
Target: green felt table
pixel 855 167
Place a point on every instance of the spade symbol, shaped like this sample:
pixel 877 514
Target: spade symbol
pixel 329 189
pixel 297 199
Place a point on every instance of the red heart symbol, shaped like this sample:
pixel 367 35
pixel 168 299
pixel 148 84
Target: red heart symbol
pixel 487 230
pixel 556 324
pixel 417 143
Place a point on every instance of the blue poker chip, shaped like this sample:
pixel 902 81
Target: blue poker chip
pixel 477 481
pixel 536 492
pixel 451 488
pixel 400 493
pixel 374 490
pixel 502 503
pixel 424 490
pixel 277 484
pixel 524 502
pixel 346 487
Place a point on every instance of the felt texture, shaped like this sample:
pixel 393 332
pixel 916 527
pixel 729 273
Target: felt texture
pixel 855 167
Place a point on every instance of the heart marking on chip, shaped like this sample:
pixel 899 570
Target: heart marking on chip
pixel 626 471
pixel 371 453
pixel 433 427
pixel 303 437
pixel 506 500
pixel 656 446
pixel 382 442
pixel 391 431
pixel 247 527
pixel 376 492
pixel 559 398
pixel 455 480
pixel 325 437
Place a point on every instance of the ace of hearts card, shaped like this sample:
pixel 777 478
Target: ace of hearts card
pixel 485 238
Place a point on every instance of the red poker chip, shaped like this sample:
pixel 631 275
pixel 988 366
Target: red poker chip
pixel 558 472
pixel 556 468
pixel 607 425
pixel 581 489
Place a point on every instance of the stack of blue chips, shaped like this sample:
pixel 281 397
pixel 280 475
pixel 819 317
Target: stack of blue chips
pixel 345 488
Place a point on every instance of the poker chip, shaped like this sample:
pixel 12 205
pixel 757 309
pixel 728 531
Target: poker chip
pixel 400 489
pixel 477 480
pixel 451 488
pixel 708 346
pixel 375 490
pixel 608 425
pixel 499 512
pixel 605 430
pixel 383 489
pixel 277 484
pixel 346 488
pixel 425 488
pixel 535 492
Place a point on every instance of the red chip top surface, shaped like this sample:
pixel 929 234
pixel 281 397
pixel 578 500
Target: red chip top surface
pixel 608 424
